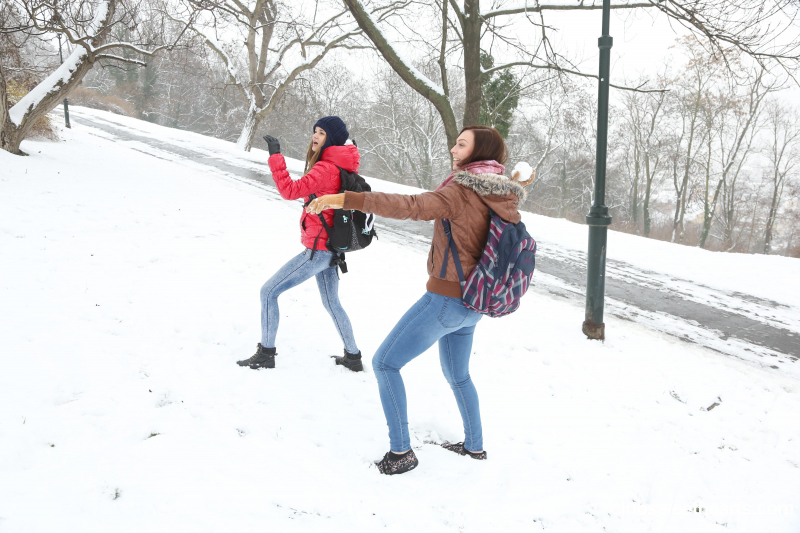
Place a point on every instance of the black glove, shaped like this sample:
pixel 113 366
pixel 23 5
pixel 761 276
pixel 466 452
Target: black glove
pixel 273 145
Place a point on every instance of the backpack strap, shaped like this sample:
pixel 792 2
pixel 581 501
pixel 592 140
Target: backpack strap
pixel 451 245
pixel 338 257
pixel 312 197
pixel 325 225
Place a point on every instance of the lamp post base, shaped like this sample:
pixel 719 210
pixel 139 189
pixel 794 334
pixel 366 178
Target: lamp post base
pixel 594 331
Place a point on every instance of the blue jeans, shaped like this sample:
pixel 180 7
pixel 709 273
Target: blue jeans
pixel 292 274
pixel 433 318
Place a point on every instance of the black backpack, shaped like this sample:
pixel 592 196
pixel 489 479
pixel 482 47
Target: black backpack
pixel 352 230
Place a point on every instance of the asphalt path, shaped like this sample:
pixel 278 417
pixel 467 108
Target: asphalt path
pixel 735 324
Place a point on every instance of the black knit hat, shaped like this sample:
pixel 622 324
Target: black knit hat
pixel 335 131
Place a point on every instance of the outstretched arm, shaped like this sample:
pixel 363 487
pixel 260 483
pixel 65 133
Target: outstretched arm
pixel 446 203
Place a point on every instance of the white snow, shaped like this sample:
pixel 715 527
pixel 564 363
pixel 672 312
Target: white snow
pixel 130 286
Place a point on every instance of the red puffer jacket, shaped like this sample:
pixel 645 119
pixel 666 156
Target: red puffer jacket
pixel 322 179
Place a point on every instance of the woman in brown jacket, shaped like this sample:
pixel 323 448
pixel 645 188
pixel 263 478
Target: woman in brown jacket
pixel 476 185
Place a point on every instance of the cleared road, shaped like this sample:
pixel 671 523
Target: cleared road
pixel 736 324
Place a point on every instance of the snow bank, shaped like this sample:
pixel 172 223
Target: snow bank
pixel 130 286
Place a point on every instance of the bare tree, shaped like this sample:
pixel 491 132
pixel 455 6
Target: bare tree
pixel 255 38
pixel 735 120
pixel 749 26
pixel 404 134
pixel 86 25
pixel 783 153
pixel 693 90
pixel 642 118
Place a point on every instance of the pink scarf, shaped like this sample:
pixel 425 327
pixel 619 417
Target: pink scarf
pixel 476 167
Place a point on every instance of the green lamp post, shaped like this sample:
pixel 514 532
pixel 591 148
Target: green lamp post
pixel 66 103
pixel 598 218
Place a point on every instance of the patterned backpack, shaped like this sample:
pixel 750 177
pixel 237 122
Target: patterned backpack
pixel 504 272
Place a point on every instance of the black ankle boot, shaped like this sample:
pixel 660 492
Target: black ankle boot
pixel 390 465
pixel 458 448
pixel 350 361
pixel 263 358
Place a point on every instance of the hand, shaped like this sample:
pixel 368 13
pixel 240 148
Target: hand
pixel 329 201
pixel 273 145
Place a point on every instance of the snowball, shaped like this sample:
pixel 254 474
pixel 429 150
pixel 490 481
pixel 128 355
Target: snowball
pixel 524 169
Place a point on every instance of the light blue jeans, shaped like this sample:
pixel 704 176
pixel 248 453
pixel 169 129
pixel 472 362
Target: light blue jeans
pixel 433 318
pixel 292 274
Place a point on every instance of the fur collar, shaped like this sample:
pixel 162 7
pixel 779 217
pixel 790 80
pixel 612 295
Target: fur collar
pixel 490 184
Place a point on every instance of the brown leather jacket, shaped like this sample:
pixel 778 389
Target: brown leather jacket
pixel 465 201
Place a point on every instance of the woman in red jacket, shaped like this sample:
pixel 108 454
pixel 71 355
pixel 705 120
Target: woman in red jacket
pixel 326 154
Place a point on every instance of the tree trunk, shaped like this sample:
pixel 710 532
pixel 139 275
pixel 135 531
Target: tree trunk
pixel 708 206
pixel 562 211
pixel 773 211
pixel 245 141
pixel 677 200
pixel 27 111
pixel 3 108
pixel 729 207
pixel 646 206
pixel 635 195
pixel 680 209
pixel 472 61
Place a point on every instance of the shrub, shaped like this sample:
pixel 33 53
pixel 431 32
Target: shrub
pixel 105 102
pixel 42 128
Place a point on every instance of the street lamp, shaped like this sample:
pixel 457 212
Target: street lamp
pixel 598 218
pixel 66 103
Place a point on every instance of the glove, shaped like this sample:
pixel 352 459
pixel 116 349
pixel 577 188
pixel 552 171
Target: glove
pixel 273 145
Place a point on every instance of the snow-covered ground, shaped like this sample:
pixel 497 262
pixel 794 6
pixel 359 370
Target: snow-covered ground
pixel 129 286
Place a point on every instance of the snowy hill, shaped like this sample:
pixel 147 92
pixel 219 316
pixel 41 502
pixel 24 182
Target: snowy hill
pixel 130 286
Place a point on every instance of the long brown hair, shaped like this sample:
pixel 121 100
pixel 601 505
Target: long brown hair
pixel 311 156
pixel 489 145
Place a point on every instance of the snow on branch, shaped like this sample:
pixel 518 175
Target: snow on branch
pixel 535 6
pixel 219 48
pixel 121 59
pixel 40 18
pixel 64 73
pixel 393 55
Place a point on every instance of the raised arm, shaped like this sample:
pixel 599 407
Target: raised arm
pixel 290 189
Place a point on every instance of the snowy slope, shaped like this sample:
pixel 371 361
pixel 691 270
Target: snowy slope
pixel 754 274
pixel 130 286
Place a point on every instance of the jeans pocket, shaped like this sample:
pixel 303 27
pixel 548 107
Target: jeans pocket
pixel 453 313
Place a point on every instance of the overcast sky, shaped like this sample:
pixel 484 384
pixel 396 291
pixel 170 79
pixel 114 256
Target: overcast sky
pixel 642 41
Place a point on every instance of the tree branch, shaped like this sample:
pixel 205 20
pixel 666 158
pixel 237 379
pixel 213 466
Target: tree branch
pixel 569 71
pixel 538 8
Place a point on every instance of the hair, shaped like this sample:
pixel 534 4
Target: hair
pixel 489 145
pixel 311 156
